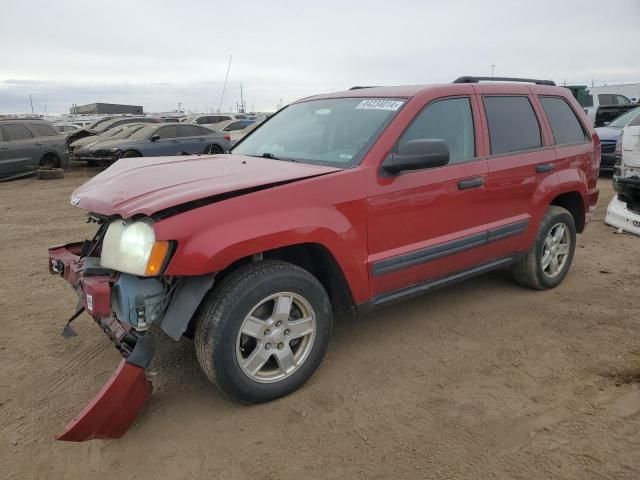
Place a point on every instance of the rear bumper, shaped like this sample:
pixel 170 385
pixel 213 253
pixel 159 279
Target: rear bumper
pixel 117 404
pixel 619 216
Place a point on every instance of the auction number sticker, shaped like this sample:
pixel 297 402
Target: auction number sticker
pixel 379 104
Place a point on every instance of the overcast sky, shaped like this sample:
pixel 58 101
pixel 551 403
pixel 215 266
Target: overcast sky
pixel 158 53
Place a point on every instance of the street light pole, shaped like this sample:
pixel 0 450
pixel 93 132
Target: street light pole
pixel 492 68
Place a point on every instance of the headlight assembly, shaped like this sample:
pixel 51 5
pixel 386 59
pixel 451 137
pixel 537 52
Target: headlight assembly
pixel 131 247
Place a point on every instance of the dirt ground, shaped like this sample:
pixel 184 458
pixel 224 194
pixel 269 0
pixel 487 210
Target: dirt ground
pixel 483 380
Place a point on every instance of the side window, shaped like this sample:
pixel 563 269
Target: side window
pixel 605 99
pixel 450 120
pixel 203 120
pixel 223 118
pixel 204 131
pixel 16 131
pixel 513 125
pixel 233 126
pixel 42 130
pixel 565 125
pixel 188 131
pixel 168 132
pixel 622 100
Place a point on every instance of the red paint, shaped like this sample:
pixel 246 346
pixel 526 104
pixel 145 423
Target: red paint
pixel 96 295
pixel 113 409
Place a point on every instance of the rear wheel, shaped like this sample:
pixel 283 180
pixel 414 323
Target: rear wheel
pixel 548 260
pixel 214 149
pixel 50 160
pixel 263 331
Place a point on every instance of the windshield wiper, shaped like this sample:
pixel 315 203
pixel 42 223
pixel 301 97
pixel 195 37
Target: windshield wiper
pixel 270 156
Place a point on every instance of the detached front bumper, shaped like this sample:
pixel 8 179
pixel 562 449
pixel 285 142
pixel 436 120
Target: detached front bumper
pixel 113 410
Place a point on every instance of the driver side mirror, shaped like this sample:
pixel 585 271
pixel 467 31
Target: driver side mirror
pixel 417 155
pixel 155 138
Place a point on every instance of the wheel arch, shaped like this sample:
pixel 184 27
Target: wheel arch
pixel 315 258
pixel 574 203
pixel 51 153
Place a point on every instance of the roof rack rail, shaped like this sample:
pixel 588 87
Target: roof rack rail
pixel 358 87
pixel 469 79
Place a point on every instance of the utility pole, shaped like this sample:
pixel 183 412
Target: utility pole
pixel 224 88
pixel 242 109
pixel 492 68
pixel 179 106
pixel 31 102
pixel 45 111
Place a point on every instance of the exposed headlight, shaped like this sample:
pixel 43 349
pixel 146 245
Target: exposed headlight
pixel 131 247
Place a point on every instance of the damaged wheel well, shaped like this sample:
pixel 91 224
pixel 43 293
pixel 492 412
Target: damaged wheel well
pixel 573 202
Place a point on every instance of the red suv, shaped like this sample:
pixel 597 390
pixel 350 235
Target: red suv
pixel 344 201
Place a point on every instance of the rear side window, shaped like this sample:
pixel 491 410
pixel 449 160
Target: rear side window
pixel 204 131
pixel 565 125
pixel 43 130
pixel 449 120
pixel 622 100
pixel 16 131
pixel 605 99
pixel 513 125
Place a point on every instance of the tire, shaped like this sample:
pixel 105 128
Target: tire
pixel 530 271
pixel 50 173
pixel 50 160
pixel 130 154
pixel 214 149
pixel 220 347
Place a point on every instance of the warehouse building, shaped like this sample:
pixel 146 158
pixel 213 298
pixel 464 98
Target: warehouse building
pixel 105 108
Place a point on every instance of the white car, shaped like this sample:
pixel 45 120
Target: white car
pixel 623 211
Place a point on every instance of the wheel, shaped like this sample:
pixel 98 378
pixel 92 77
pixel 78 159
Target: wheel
pixel 50 173
pixel 50 160
pixel 130 154
pixel 214 149
pixel 263 331
pixel 548 260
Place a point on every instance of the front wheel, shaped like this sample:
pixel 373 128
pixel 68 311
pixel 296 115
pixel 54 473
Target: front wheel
pixel 548 260
pixel 263 331
pixel 214 149
pixel 131 154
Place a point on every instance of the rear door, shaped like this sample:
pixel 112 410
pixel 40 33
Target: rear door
pixel 520 159
pixel 21 152
pixel 429 223
pixel 192 139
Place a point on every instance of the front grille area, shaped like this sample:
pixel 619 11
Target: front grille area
pixel 608 147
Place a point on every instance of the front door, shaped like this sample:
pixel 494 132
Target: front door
pixel 168 144
pixel 18 152
pixel 430 223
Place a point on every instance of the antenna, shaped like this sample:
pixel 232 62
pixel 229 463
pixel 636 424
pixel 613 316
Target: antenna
pixel 224 88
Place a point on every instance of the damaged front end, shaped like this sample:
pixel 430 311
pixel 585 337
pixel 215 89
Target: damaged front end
pixel 124 305
pixel 623 211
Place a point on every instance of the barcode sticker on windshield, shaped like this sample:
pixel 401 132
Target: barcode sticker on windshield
pixel 379 104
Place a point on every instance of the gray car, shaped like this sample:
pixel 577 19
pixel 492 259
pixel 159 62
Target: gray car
pixel 162 140
pixel 26 144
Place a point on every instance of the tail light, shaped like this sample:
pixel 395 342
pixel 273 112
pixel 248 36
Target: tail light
pixel 227 138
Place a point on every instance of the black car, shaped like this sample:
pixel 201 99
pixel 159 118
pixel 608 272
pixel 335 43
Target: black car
pixel 102 125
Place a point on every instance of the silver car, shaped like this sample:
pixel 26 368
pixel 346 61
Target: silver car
pixel 26 144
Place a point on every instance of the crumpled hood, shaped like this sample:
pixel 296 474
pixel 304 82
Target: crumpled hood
pixel 608 134
pixel 133 186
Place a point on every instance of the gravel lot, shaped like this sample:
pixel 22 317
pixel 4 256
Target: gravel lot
pixel 483 380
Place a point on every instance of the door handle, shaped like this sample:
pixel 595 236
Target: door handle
pixel 38 144
pixel 544 167
pixel 473 182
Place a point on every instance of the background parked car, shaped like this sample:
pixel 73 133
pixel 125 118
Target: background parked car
pixel 111 136
pixel 66 128
pixel 609 135
pixel 27 144
pixel 103 125
pixel 163 140
pixel 211 119
pixel 231 125
pixel 601 107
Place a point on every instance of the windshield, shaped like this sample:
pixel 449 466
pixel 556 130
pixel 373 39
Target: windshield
pixel 335 131
pixel 625 118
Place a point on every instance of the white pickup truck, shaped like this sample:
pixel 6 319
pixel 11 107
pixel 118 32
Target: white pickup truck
pixel 623 211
